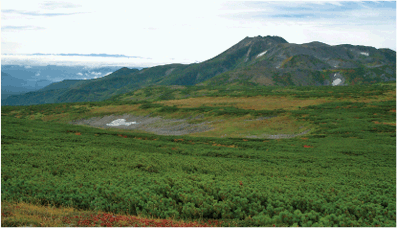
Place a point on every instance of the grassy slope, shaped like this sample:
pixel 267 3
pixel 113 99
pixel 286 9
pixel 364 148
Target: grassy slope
pixel 342 173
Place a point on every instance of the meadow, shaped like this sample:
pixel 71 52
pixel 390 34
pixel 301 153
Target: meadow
pixel 341 173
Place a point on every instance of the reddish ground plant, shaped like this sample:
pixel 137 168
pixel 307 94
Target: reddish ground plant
pixel 109 220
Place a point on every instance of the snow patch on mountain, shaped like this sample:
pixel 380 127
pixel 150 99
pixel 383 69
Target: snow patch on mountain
pixel 260 54
pixel 336 82
pixel 120 122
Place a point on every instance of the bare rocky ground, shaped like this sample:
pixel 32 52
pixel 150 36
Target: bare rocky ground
pixel 156 125
pixel 162 126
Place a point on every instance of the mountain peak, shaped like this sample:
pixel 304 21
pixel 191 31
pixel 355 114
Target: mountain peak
pixel 279 39
pixel 316 44
pixel 276 39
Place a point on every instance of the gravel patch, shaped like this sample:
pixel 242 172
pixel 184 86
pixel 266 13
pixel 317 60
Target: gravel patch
pixel 161 126
pixel 156 125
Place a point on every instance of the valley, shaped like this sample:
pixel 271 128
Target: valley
pixel 195 114
pixel 338 169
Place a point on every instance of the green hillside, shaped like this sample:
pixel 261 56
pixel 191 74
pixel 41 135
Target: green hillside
pixel 269 60
pixel 341 172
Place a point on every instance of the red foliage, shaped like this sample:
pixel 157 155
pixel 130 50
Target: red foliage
pixel 306 146
pixel 110 220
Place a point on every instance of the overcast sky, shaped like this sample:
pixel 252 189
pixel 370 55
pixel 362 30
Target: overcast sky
pixel 147 33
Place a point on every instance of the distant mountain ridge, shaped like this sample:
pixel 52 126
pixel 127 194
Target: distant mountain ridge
pixel 268 60
pixel 20 79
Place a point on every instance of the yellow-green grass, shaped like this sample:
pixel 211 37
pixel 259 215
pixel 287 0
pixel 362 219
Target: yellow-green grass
pixel 255 103
pixel 21 214
pixel 223 126
pixel 248 126
pixel 24 214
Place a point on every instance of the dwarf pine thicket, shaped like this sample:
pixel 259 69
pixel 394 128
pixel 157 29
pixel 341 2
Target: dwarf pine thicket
pixel 342 173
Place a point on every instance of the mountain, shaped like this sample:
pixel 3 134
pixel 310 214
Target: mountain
pixel 237 56
pixel 255 61
pixel 314 63
pixel 65 84
pixel 18 79
pixel 12 86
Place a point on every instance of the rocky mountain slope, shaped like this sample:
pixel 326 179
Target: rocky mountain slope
pixel 268 60
pixel 314 63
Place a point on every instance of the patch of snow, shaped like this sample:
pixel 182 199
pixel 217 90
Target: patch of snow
pixel 335 75
pixel 260 54
pixel 336 82
pixel 364 53
pixel 120 122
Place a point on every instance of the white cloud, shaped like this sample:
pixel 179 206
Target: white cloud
pixel 336 3
pixel 88 61
pixel 79 74
pixel 28 67
pixel 58 5
pixel 37 74
pixel 96 73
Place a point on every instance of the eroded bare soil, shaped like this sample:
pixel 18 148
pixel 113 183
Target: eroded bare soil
pixel 162 126
pixel 156 125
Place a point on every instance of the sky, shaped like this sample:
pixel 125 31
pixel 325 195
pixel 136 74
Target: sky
pixel 148 33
